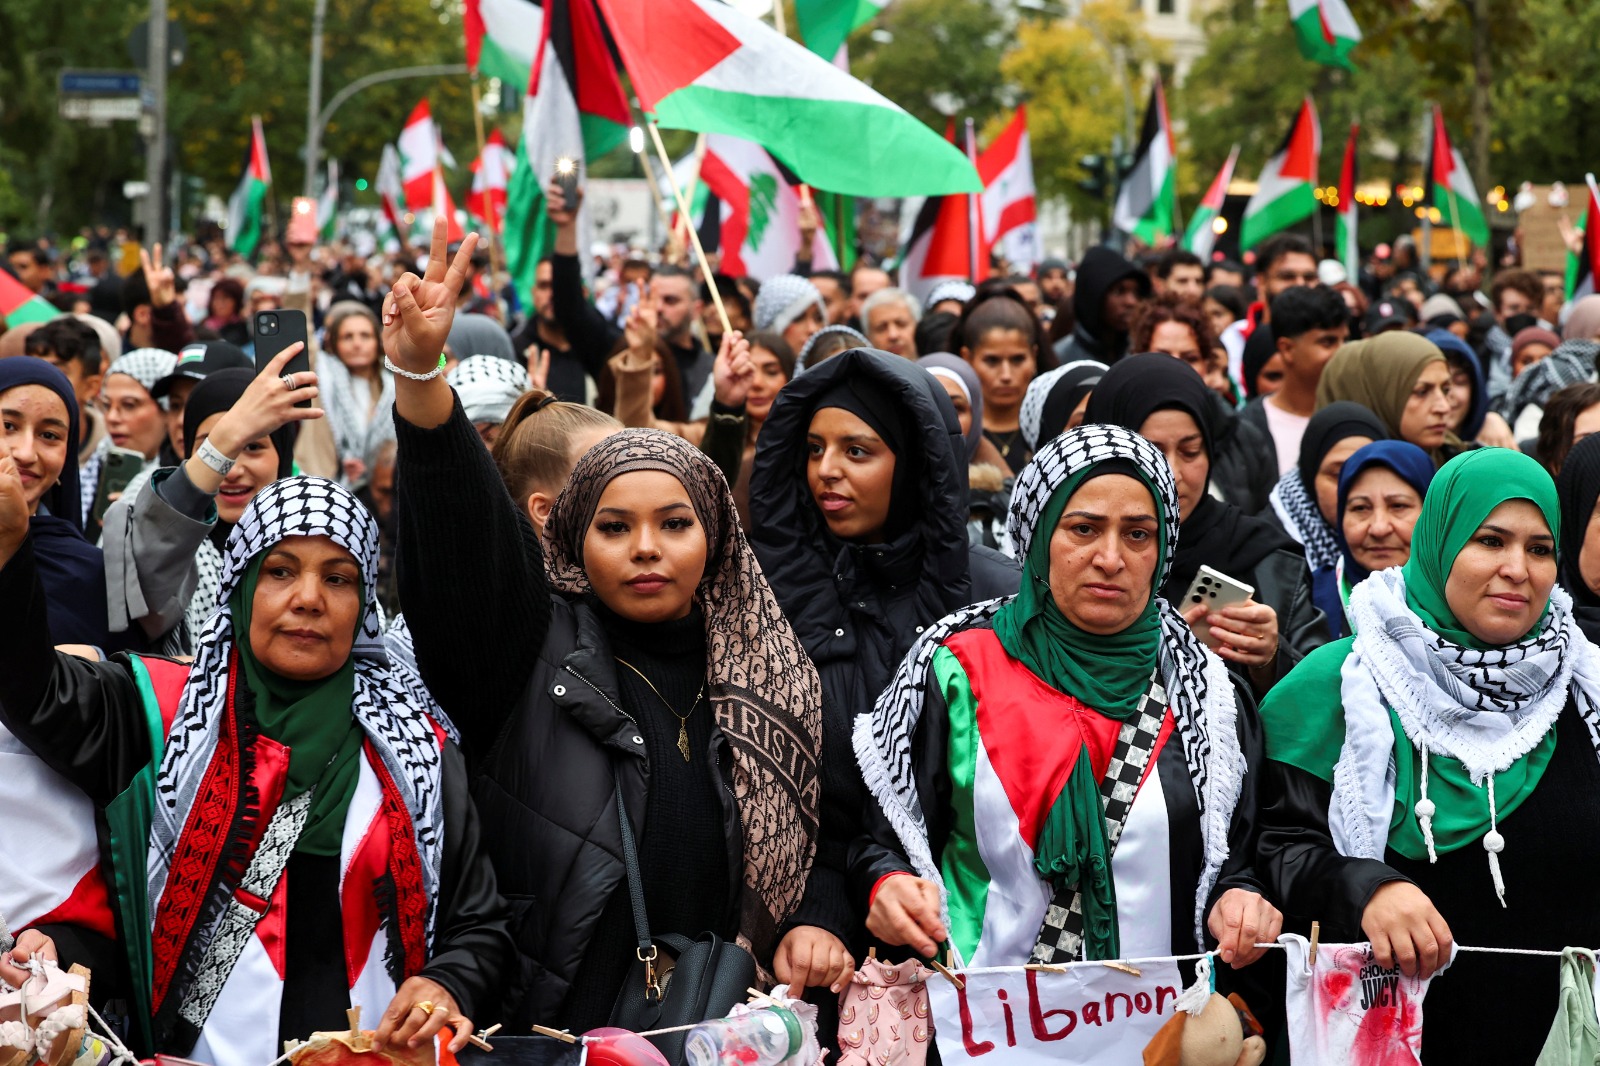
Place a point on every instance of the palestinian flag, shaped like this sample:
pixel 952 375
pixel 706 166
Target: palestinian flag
pixel 1285 196
pixel 1147 202
pixel 328 205
pixel 938 246
pixel 491 172
pixel 757 211
pixel 502 38
pixel 1449 186
pixel 1583 267
pixel 703 65
pixel 1010 218
pixel 1347 246
pixel 20 305
pixel 248 204
pixel 391 190
pixel 824 24
pixel 1201 238
pixel 1326 31
pixel 574 109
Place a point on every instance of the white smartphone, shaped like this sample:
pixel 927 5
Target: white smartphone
pixel 1216 590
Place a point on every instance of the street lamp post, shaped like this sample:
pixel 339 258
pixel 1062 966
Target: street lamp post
pixel 314 104
pixel 155 159
pixel 319 119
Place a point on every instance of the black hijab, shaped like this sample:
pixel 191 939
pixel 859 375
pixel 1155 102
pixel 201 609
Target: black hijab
pixel 71 570
pixel 870 401
pixel 1577 488
pixel 218 392
pixel 1259 348
pixel 1216 534
pixel 1328 427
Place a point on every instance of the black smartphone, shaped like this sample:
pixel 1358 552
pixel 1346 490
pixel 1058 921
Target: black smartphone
pixel 275 331
pixel 117 470
pixel 566 178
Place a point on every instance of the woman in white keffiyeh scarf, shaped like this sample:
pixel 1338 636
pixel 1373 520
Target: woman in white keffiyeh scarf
pixel 904 757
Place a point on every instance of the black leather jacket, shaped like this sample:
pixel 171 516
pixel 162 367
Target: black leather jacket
pixel 1283 583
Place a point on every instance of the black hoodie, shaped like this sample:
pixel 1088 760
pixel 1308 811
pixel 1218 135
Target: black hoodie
pixel 1098 273
pixel 859 608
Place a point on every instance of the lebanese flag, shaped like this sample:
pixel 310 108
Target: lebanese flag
pixel 421 155
pixel 1285 195
pixel 20 305
pixel 1201 237
pixel 704 65
pixel 1348 248
pixel 491 172
pixel 1147 202
pixel 391 190
pixel 1325 30
pixel 759 209
pixel 1450 187
pixel 1010 218
pixel 1583 267
pixel 938 247
pixel 444 203
pixel 502 38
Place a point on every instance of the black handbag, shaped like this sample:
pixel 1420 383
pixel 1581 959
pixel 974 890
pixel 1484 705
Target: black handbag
pixel 677 981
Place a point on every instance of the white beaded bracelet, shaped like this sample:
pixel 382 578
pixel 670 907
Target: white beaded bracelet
pixel 388 364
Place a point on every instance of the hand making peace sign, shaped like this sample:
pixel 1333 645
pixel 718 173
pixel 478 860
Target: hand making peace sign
pixel 418 311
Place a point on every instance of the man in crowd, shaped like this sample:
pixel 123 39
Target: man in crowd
pixel 1108 291
pixel 105 292
pixel 31 264
pixel 155 317
pixel 1282 262
pixel 543 337
pixel 891 317
pixel 1225 272
pixel 1308 326
pixel 677 303
pixel 1055 281
pixel 1516 296
pixel 834 285
pixel 865 280
pixel 1180 272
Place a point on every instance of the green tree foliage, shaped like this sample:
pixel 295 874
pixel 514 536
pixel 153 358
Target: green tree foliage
pixel 940 55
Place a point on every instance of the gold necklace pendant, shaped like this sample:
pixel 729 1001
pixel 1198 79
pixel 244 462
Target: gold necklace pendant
pixel 683 738
pixel 683 719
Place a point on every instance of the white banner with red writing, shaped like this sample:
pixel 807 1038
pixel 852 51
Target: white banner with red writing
pixel 1082 1013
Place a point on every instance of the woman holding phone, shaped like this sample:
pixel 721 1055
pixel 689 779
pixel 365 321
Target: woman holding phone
pixel 1166 402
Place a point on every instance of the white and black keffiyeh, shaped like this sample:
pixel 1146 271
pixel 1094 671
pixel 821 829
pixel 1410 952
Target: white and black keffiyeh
pixel 1196 680
pixel 1302 519
pixel 1485 708
pixel 145 365
pixel 358 425
pixel 395 711
pixel 488 386
pixel 1030 418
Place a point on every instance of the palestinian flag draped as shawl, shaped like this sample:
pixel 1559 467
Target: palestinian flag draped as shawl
pixel 703 65
pixel 1147 202
pixel 574 109
pixel 1325 30
pixel 1449 186
pixel 1285 195
pixel 1201 238
pixel 1347 247
pixel 248 204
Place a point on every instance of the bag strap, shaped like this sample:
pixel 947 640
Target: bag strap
pixel 630 862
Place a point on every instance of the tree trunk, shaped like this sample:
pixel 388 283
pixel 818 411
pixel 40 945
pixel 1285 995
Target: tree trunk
pixel 1482 79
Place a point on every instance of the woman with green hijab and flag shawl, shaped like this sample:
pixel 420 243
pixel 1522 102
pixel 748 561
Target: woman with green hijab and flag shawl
pixel 1436 778
pixel 1065 770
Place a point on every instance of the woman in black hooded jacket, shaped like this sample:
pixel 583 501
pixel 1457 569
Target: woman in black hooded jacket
pixel 858 600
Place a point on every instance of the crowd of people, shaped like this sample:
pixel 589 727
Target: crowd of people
pixel 1134 608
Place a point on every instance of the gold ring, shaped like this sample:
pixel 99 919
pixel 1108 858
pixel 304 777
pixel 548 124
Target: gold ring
pixel 425 1006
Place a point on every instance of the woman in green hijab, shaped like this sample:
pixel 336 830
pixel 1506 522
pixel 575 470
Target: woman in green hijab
pixel 1404 380
pixel 1436 778
pixel 1068 765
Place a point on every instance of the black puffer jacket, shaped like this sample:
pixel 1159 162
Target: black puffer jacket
pixel 1245 465
pixel 859 608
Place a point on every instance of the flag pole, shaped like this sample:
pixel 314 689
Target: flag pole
pixel 488 200
pixel 973 237
pixel 655 191
pixel 694 177
pixel 694 234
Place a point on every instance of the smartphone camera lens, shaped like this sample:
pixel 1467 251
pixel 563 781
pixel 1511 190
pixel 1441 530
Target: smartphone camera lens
pixel 1197 598
pixel 267 325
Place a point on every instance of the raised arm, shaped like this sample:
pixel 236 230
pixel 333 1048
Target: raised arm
pixel 470 571
pixel 586 328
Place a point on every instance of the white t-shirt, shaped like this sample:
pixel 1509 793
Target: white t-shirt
pixel 1287 431
pixel 1349 1010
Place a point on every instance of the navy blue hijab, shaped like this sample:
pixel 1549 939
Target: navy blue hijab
pixel 1458 352
pixel 1410 462
pixel 71 570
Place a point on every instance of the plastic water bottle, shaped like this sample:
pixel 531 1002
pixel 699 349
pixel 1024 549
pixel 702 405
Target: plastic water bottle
pixel 763 1037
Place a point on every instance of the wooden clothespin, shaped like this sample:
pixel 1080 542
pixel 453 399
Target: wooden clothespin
pixel 1045 967
pixel 564 1037
pixel 353 1015
pixel 942 968
pixel 481 1039
pixel 1316 932
pixel 872 953
pixel 757 995
pixel 1122 967
pixel 291 1046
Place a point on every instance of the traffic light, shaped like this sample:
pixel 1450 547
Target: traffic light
pixel 1098 177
